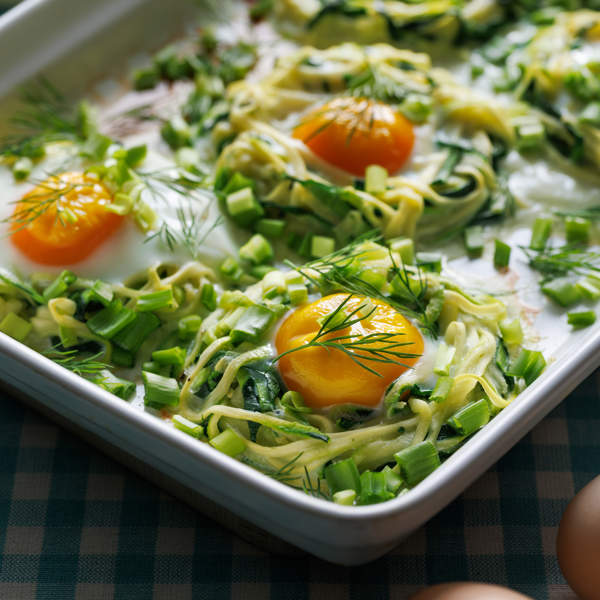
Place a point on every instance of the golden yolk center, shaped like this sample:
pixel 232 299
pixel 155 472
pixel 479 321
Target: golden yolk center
pixel 63 220
pixel 328 376
pixel 353 133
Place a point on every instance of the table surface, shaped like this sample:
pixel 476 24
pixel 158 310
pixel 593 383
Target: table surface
pixel 75 524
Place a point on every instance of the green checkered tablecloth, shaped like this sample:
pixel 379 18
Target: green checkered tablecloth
pixel 75 524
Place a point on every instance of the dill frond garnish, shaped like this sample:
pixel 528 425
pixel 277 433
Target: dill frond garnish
pixel 563 260
pixel 379 347
pixel 80 365
pixel 313 489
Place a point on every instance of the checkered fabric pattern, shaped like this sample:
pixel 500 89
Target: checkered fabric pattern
pixel 74 524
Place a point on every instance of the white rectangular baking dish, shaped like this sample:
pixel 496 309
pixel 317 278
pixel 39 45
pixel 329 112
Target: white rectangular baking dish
pixel 74 42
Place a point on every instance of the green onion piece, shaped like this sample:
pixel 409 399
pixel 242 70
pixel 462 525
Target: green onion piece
pixel 243 207
pixel 373 488
pixel 529 365
pixel 474 240
pixel 429 261
pixel 442 389
pixel 405 248
pixel 563 291
pixel 342 475
pixel 146 79
pixel 252 324
pixel 100 292
pixel 416 107
pixel 59 286
pixel 231 269
pixel 581 319
pixel 416 462
pixel 115 385
pixel 470 418
pixel 110 320
pixel 501 254
pixel 256 250
pixel 188 326
pixel 153 367
pixel 174 357
pixel 272 228
pixel 375 179
pixel 156 300
pixel 295 402
pixel 298 293
pixel 393 481
pixel 321 245
pixel 132 336
pixel 334 319
pixel 540 233
pixel 122 358
pixel 345 497
pixel 208 296
pixel 511 331
pixel 373 277
pixel 530 134
pixel 22 168
pixel 305 246
pixel 228 442
pixel 443 359
pixel 15 326
pixel 160 391
pixel 591 114
pixel 228 183
pixel 259 271
pixel 177 133
pixel 135 155
pixel 187 426
pixel 577 230
pixel 589 287
pixel 68 337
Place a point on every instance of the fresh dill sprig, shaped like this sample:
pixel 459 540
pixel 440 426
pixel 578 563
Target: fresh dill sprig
pixel 372 83
pixel 563 260
pixel 283 474
pixel 380 347
pixel 81 365
pixel 313 489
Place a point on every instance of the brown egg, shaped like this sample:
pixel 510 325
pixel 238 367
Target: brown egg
pixel 578 542
pixel 465 590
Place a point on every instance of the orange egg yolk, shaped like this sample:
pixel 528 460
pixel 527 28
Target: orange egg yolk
pixel 353 133
pixel 63 220
pixel 326 376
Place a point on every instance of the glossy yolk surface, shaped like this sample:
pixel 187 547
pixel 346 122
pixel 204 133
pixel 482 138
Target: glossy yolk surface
pixel 63 220
pixel 353 133
pixel 326 376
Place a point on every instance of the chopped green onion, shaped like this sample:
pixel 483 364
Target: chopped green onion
pixel 243 207
pixel 529 365
pixel 298 293
pixel 429 261
pixel 530 133
pixel 405 248
pixel 442 389
pixel 470 418
pixel 305 246
pixel 393 481
pixel 68 337
pixel 115 385
pixel 59 286
pixel 563 291
pixel 345 497
pixel 501 254
pixel 581 319
pixel 540 233
pixel 15 326
pixel 252 324
pixel 187 426
pixel 373 277
pixel 132 336
pixel 146 79
pixel 100 292
pixel 342 475
pixel 272 228
pixel 110 320
pixel 160 391
pixel 333 319
pixel 188 326
pixel 511 331
pixel 321 246
pixel 589 287
pixel 416 462
pixel 208 295
pixel 174 357
pixel 474 240
pixel 295 402
pixel 153 367
pixel 122 358
pixel 443 359
pixel 176 133
pixel 375 179
pixel 591 114
pixel 577 230
pixel 231 269
pixel 373 488
pixel 256 250
pixel 22 168
pixel 156 300
pixel 228 442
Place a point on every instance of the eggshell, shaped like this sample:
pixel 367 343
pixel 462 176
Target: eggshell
pixel 465 590
pixel 578 542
